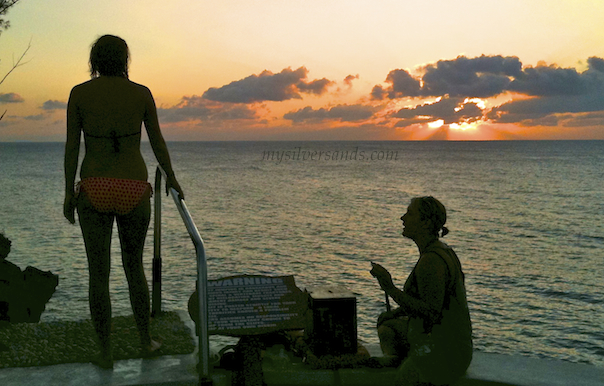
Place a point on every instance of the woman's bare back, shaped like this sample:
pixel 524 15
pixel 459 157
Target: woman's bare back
pixel 110 111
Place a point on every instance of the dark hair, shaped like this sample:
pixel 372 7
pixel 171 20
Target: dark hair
pixel 432 209
pixel 109 56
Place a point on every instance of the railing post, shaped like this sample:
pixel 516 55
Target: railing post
pixel 202 292
pixel 156 292
pixel 202 288
pixel 202 274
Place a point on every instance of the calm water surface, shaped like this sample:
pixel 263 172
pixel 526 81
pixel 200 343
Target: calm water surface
pixel 525 220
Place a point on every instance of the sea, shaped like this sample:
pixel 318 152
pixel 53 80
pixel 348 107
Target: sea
pixel 525 218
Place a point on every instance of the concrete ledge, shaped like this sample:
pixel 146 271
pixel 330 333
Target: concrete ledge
pixel 485 369
pixel 301 377
pixel 358 377
pixel 524 371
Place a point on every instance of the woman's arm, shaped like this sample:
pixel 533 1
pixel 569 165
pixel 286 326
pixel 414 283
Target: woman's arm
pixel 72 152
pixel 158 144
pixel 431 276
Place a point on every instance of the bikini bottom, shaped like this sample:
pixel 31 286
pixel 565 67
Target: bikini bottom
pixel 114 195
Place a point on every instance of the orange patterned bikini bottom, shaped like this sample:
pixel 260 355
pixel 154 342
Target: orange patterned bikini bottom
pixel 114 195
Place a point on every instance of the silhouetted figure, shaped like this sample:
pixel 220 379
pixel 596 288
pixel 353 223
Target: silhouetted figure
pixel 430 332
pixel 110 110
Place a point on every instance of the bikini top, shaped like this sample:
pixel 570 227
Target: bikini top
pixel 113 137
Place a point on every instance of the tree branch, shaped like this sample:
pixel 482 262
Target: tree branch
pixel 6 4
pixel 18 63
pixel 4 7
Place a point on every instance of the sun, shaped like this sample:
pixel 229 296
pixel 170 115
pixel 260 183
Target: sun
pixel 436 124
pixel 464 126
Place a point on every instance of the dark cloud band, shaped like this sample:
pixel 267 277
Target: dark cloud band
pixel 288 84
pixel 346 113
pixel 553 90
pixel 11 98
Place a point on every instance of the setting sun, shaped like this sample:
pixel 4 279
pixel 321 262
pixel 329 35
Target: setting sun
pixel 463 126
pixel 436 124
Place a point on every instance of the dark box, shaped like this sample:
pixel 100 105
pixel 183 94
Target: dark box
pixel 333 329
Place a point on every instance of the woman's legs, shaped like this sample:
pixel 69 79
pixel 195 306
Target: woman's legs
pixel 408 375
pixel 393 340
pixel 132 229
pixel 96 230
pixel 393 337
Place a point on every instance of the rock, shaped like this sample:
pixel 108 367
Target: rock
pixel 23 295
pixel 39 288
pixel 11 286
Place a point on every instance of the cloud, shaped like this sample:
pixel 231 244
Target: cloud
pixel 403 84
pixel 11 98
pixel 378 93
pixel 39 117
pixel 53 105
pixel 554 90
pixel 596 64
pixel 550 90
pixel 232 101
pixel 581 120
pixel 316 87
pixel 348 80
pixel 195 108
pixel 479 77
pixel 549 80
pixel 462 87
pixel 450 110
pixel 345 113
pixel 537 108
pixel 288 84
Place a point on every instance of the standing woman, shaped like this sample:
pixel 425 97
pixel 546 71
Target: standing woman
pixel 430 332
pixel 110 110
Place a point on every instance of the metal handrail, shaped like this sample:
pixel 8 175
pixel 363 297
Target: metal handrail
pixel 202 270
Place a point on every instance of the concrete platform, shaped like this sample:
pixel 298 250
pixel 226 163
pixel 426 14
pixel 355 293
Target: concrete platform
pixel 486 369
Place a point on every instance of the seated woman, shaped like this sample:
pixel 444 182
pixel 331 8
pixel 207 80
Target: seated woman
pixel 430 332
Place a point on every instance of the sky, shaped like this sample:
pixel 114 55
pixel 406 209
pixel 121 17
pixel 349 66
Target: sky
pixel 320 69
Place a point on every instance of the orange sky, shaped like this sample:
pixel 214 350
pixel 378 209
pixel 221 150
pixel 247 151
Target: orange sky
pixel 313 70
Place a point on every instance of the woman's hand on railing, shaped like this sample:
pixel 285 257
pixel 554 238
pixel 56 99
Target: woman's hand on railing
pixel 172 183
